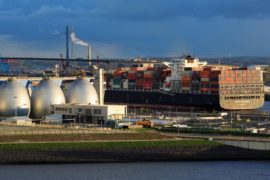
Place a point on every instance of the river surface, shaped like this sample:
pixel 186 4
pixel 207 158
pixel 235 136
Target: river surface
pixel 143 171
pixel 266 106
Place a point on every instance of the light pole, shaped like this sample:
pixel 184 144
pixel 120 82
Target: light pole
pixel 178 134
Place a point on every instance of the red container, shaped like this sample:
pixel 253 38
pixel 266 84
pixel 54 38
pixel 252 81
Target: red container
pixel 150 69
pixel 214 73
pixel 131 76
pixel 166 72
pixel 139 82
pixel 207 68
pixel 204 89
pixel 148 74
pixel 167 84
pixel 186 78
pixel 147 84
pixel 185 83
pixel 214 89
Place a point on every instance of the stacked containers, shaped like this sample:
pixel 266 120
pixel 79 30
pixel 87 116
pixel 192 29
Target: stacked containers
pixel 148 80
pixel 186 80
pixel 132 75
pixel 139 79
pixel 195 83
pixel 241 78
pixel 132 78
pixel 117 78
pixel 204 77
pixel 214 81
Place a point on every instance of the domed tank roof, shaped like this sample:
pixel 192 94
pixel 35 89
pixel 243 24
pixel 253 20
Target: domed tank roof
pixel 43 96
pixel 81 91
pixel 14 99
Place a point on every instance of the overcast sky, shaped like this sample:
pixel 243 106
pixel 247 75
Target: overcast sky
pixel 129 28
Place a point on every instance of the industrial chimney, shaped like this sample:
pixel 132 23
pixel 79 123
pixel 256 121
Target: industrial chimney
pixel 99 84
pixel 67 47
pixel 89 54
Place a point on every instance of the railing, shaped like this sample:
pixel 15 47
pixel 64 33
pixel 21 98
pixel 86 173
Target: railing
pixel 58 132
pixel 258 145
pixel 12 129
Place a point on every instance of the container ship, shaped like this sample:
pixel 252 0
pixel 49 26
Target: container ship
pixel 186 81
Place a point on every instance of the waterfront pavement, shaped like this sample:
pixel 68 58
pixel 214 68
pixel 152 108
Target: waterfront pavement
pixel 257 143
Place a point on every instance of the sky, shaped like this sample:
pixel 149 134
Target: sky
pixel 131 28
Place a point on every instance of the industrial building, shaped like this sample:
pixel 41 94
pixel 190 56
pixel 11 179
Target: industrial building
pixel 89 113
pixel 81 101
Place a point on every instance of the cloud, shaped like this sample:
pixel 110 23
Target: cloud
pixel 12 48
pixel 130 28
pixel 154 10
pixel 139 10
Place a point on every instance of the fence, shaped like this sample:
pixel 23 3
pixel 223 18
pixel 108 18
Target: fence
pixel 258 145
pixel 11 129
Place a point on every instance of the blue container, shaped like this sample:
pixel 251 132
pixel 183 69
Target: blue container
pixel 4 67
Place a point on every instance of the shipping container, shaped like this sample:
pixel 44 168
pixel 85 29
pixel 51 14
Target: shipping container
pixel 148 75
pixel 125 84
pixel 147 85
pixel 116 86
pixel 139 83
pixel 186 88
pixel 204 79
pixel 132 75
pixel 139 74
pixel 131 85
pixel 4 67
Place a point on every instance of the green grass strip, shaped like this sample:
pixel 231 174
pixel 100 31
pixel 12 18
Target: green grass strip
pixel 106 145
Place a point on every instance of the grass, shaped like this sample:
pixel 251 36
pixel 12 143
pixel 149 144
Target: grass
pixel 142 130
pixel 106 145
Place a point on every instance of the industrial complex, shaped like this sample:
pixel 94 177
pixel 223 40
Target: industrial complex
pixel 181 92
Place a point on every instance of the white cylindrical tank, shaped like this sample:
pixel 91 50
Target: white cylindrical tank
pixel 14 99
pixel 81 91
pixel 43 96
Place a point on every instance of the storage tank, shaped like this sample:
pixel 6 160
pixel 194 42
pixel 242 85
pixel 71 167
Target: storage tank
pixel 14 99
pixel 81 91
pixel 43 96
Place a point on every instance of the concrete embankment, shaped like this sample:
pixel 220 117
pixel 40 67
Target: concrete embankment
pixel 127 151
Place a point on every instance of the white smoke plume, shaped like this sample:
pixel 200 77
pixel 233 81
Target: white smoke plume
pixel 77 41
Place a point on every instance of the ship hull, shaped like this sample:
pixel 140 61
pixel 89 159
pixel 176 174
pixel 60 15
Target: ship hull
pixel 208 101
pixel 162 98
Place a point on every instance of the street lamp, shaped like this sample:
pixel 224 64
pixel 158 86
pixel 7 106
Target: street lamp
pixel 178 133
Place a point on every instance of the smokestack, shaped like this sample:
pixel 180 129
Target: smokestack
pixel 99 84
pixel 67 48
pixel 89 54
pixel 72 50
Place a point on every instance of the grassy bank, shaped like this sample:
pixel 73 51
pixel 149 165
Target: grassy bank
pixel 124 151
pixel 107 145
pixel 143 135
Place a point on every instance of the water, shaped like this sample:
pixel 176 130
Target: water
pixel 266 106
pixel 144 171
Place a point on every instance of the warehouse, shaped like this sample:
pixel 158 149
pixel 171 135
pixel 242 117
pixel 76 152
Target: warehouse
pixel 90 113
